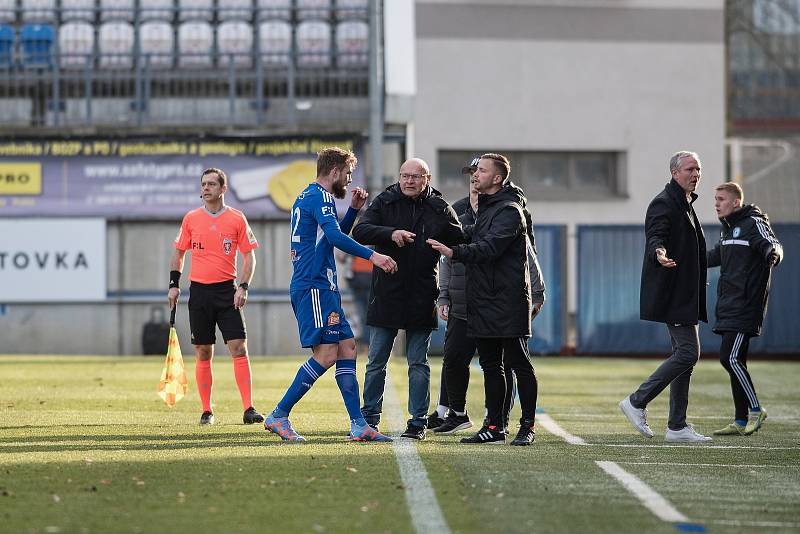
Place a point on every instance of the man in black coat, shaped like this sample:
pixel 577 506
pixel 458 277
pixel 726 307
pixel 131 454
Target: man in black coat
pixel 745 253
pixel 673 291
pixel 499 296
pixel 397 223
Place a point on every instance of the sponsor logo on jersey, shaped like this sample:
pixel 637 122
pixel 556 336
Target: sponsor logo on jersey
pixel 333 318
pixel 736 232
pixel 227 244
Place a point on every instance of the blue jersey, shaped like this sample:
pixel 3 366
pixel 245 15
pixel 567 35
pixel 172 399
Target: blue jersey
pixel 315 231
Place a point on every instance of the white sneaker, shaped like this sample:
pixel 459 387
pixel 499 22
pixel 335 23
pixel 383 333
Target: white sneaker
pixel 686 434
pixel 637 417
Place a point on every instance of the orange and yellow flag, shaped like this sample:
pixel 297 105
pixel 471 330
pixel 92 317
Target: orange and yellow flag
pixel 174 384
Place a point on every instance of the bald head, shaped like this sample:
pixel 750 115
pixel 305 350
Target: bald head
pixel 414 177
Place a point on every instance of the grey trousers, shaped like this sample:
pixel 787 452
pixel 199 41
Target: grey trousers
pixel 675 372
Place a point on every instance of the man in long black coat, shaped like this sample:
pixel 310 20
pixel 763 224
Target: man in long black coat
pixel 397 223
pixel 673 292
pixel 499 296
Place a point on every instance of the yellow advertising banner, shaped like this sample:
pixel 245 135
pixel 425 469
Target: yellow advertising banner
pixel 20 178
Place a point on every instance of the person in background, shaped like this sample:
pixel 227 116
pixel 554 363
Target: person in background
pixel 746 252
pixel 214 233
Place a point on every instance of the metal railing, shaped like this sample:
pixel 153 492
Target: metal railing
pixel 284 92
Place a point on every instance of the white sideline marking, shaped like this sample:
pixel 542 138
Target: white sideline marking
pixel 426 515
pixel 554 428
pixel 649 497
pixel 692 445
pixel 785 418
pixel 737 523
pixel 712 465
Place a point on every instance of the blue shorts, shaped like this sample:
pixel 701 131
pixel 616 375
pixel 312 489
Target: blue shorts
pixel 320 318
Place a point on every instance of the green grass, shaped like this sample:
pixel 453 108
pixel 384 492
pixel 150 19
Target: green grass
pixel 87 446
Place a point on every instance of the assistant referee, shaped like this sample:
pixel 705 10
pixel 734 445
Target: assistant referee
pixel 214 233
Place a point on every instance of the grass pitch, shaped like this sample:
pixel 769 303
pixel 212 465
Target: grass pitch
pixel 86 446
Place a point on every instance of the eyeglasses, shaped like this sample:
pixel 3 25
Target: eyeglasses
pixel 414 177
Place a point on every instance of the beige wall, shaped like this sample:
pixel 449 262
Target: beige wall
pixel 501 81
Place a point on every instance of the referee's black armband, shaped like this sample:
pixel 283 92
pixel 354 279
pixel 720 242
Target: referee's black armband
pixel 174 279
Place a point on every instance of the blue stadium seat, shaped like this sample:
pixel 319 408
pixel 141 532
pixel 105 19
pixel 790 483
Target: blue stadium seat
pixel 6 46
pixel 36 44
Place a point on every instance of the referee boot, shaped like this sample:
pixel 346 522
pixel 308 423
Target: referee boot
pixel 207 418
pixel 252 416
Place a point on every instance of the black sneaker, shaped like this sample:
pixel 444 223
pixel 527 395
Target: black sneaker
pixel 207 418
pixel 489 435
pixel 252 416
pixel 526 434
pixel 434 421
pixel 414 432
pixel 453 423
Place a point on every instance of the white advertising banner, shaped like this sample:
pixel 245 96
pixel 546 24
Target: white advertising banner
pixel 52 260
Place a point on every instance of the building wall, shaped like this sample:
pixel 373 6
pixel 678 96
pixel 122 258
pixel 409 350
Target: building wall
pixel 641 78
pixel 576 76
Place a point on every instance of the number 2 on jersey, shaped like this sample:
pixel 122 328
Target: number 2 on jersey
pixel 296 217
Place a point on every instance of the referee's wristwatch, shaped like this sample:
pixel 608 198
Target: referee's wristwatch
pixel 245 286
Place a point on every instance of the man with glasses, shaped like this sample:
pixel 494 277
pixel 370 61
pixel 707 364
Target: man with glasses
pixel 397 223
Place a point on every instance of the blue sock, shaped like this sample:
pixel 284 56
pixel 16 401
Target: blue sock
pixel 740 422
pixel 308 373
pixel 755 409
pixel 348 385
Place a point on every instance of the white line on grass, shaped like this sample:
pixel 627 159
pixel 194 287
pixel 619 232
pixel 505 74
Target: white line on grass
pixel 737 523
pixel 712 465
pixel 649 497
pixel 426 515
pixel 692 445
pixel 554 428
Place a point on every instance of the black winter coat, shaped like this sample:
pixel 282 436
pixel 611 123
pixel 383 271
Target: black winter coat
pixel 407 299
pixel 675 295
pixel 498 280
pixel 745 242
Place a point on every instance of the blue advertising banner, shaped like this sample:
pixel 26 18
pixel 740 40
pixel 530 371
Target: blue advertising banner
pixel 156 179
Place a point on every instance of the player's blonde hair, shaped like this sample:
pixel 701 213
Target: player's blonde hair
pixel 334 157
pixel 733 188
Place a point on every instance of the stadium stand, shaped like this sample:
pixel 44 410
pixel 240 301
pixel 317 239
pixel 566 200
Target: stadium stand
pixel 156 10
pixel 275 42
pixel 36 45
pixel 77 10
pixel 234 10
pixel 274 9
pixel 39 11
pixel 6 46
pixel 235 44
pixel 313 42
pixel 8 11
pixel 352 43
pixel 115 45
pixel 157 44
pixel 117 10
pixel 75 44
pixel 100 62
pixel 195 10
pixel 195 45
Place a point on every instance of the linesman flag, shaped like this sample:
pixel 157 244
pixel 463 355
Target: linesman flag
pixel 173 385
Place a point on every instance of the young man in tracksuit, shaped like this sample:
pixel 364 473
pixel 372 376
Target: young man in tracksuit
pixel 746 252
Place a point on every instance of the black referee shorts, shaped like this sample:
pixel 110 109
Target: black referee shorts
pixel 211 305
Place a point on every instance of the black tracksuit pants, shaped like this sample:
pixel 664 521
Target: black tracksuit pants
pixel 459 350
pixel 495 354
pixel 733 357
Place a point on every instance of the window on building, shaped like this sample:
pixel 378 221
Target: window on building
pixel 550 176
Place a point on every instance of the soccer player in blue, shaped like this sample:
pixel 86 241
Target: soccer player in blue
pixel 317 304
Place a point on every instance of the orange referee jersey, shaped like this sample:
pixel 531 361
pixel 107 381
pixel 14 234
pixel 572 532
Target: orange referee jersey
pixel 213 240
